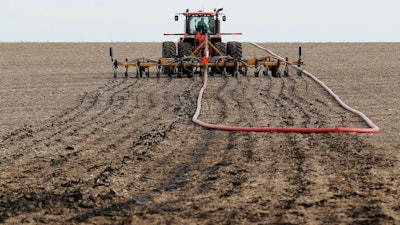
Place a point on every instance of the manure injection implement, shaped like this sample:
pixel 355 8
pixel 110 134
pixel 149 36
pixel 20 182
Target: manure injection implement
pixel 201 51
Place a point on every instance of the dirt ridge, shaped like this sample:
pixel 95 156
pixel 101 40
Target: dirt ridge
pixel 125 151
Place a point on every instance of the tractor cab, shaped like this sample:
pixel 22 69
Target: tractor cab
pixel 202 24
pixel 197 27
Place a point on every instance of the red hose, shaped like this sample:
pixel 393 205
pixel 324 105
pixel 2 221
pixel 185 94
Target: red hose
pixel 373 128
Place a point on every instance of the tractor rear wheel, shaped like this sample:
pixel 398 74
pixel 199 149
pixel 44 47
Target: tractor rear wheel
pixel 168 51
pixel 235 49
pixel 221 46
pixel 184 49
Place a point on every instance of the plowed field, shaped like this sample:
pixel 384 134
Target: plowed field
pixel 79 146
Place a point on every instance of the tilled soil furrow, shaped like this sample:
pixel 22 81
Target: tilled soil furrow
pixel 301 105
pixel 95 127
pixel 320 109
pixel 50 135
pixel 55 158
pixel 145 141
pixel 145 156
pixel 178 177
pixel 282 101
pixel 356 184
pixel 265 106
pixel 214 112
pixel 298 181
pixel 60 124
pixel 78 146
pixel 100 113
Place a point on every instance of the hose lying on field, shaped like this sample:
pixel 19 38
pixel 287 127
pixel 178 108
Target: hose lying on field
pixel 373 128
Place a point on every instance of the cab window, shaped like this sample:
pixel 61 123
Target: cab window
pixel 203 24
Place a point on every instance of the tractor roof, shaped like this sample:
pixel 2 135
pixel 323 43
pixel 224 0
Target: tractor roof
pixel 200 14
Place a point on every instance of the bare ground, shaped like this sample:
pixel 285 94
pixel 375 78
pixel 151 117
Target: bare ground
pixel 78 146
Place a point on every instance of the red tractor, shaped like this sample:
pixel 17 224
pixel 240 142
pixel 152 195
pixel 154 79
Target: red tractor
pixel 201 48
pixel 199 26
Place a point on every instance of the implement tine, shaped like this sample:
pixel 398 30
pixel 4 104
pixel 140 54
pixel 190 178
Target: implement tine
pixel 111 54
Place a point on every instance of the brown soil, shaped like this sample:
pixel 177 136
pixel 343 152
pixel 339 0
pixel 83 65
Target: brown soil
pixel 78 146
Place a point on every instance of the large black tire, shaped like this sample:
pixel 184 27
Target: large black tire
pixel 168 51
pixel 184 49
pixel 235 49
pixel 221 46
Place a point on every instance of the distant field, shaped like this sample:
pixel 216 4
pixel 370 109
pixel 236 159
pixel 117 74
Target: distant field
pixel 78 146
